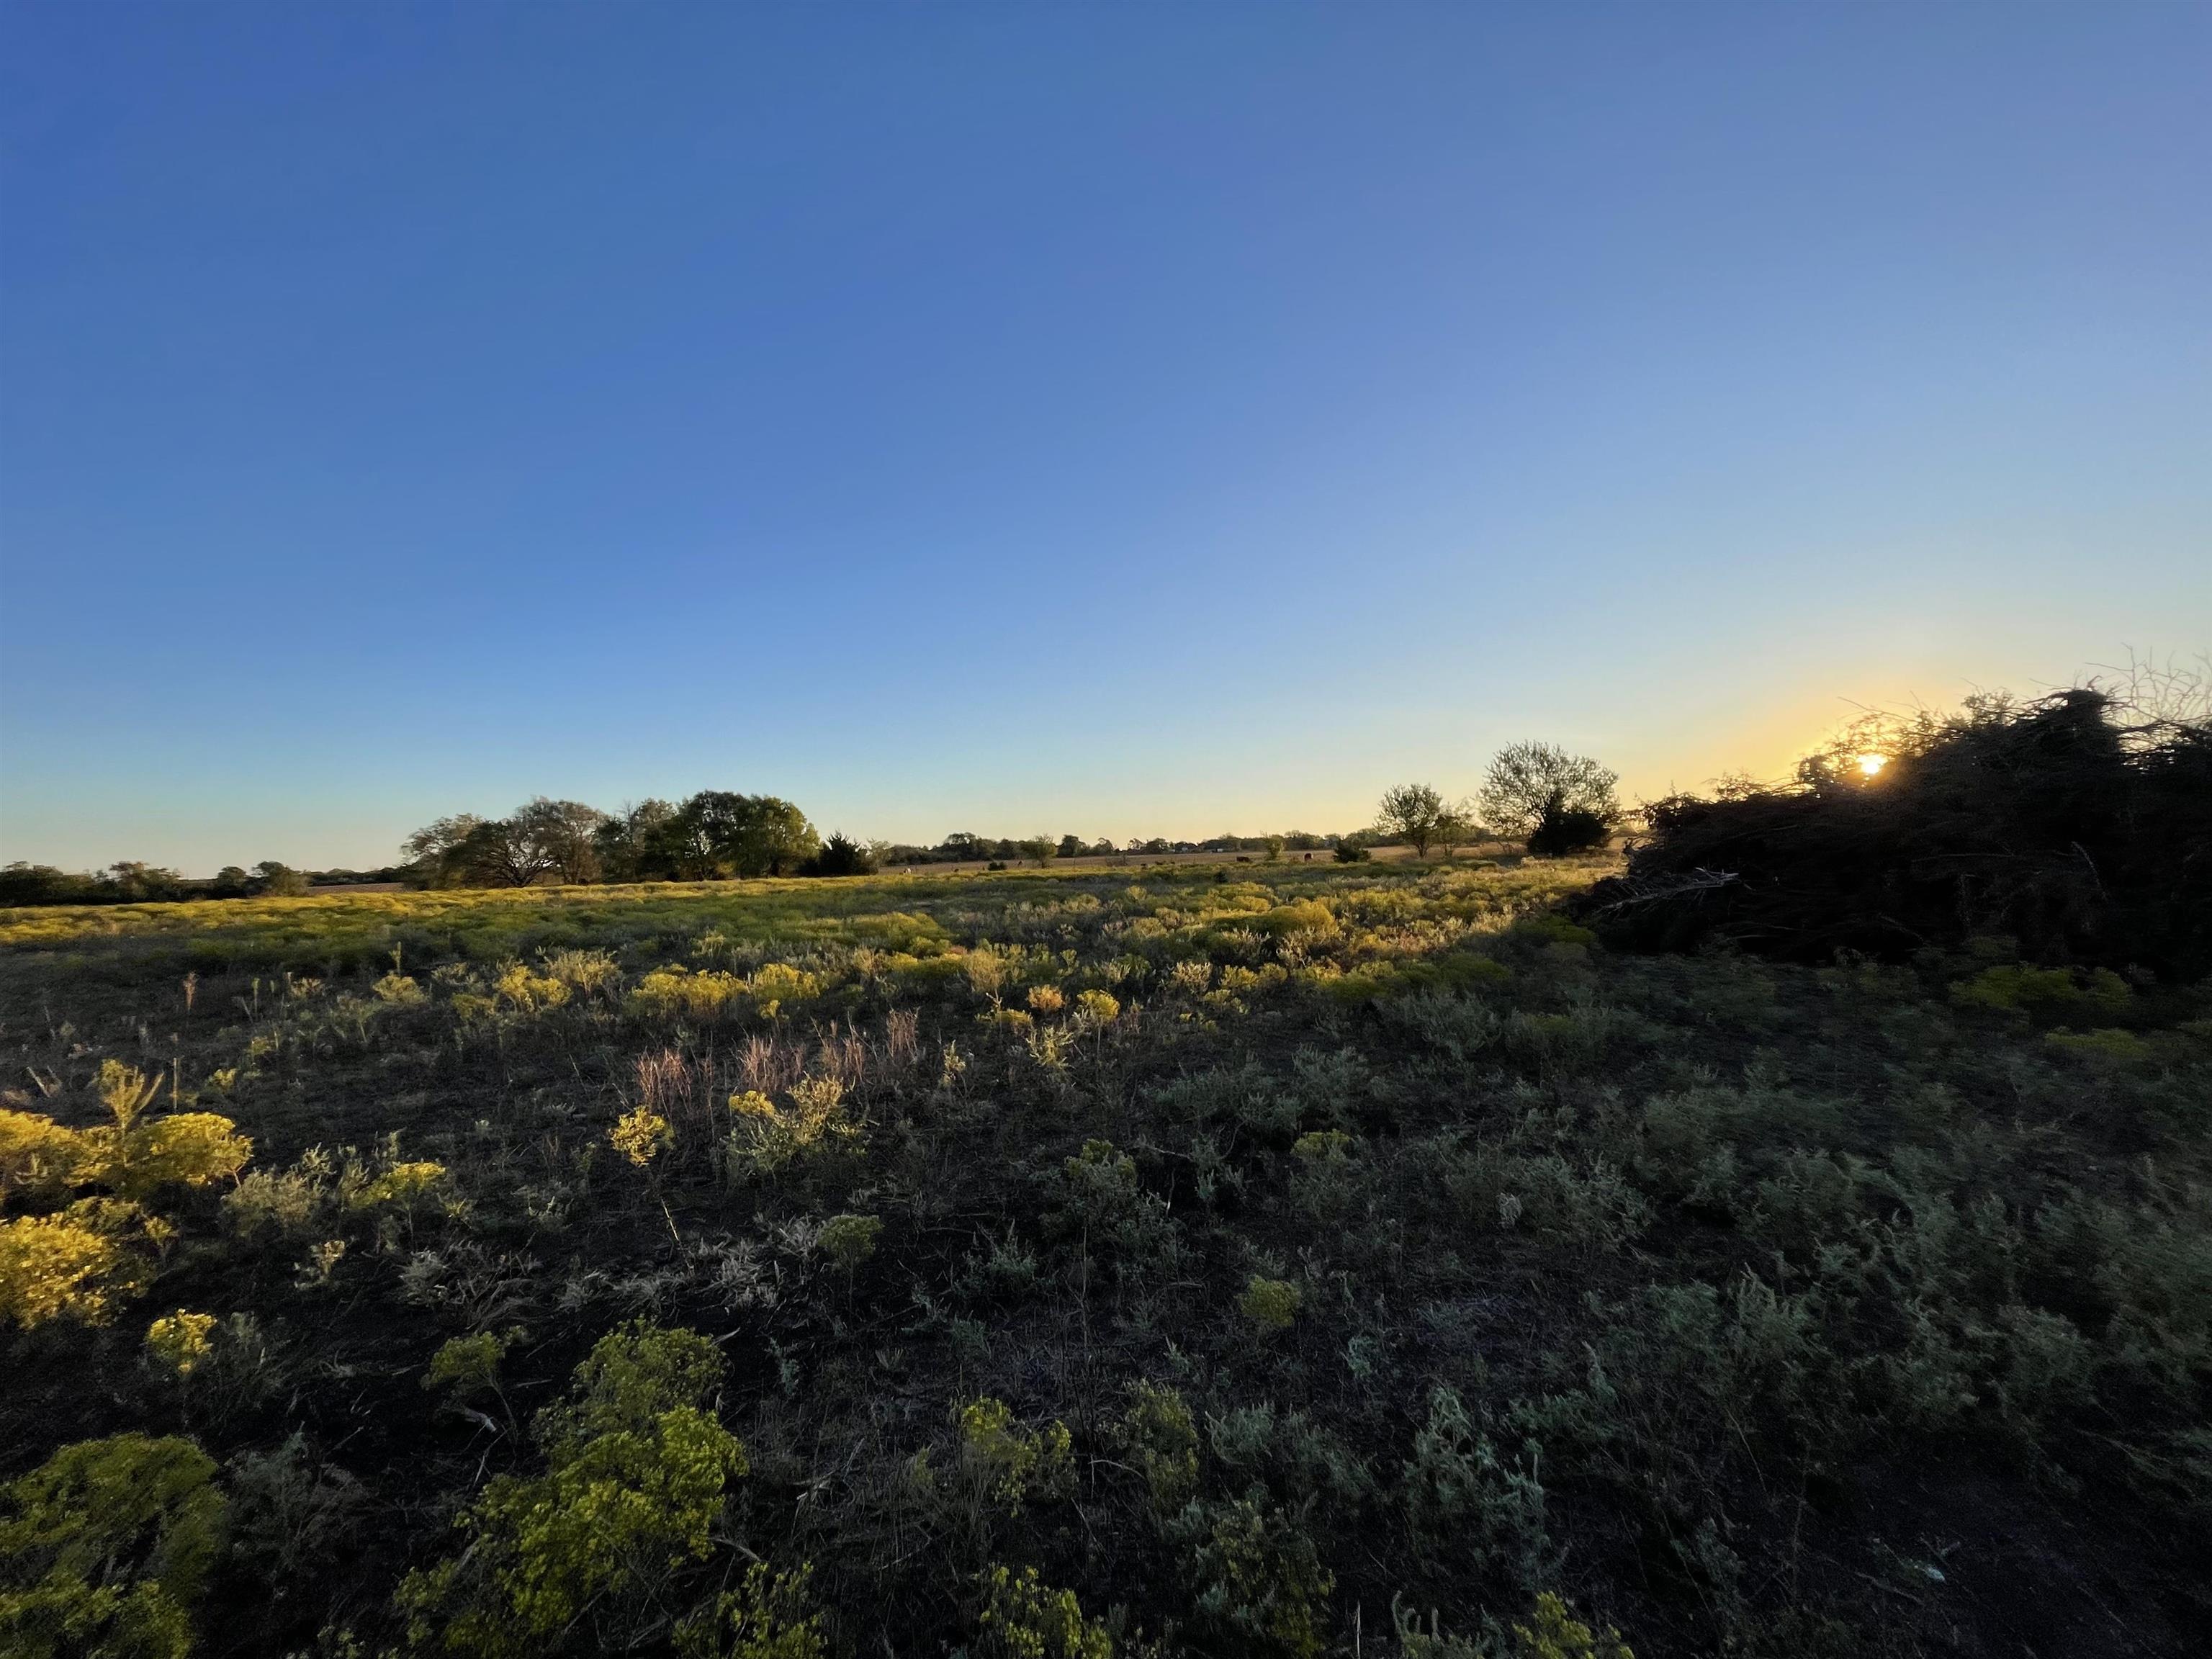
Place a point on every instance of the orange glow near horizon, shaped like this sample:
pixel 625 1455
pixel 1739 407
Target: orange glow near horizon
pixel 1871 765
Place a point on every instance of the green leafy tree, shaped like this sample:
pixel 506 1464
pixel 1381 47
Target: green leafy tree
pixel 435 851
pixel 1529 779
pixel 641 842
pixel 1414 813
pixel 561 837
pixel 718 833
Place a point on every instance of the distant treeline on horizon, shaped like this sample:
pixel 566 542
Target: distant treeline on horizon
pixel 501 857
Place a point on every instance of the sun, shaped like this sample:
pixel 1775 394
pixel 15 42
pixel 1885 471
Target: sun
pixel 1871 765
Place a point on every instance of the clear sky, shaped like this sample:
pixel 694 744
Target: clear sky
pixel 1122 419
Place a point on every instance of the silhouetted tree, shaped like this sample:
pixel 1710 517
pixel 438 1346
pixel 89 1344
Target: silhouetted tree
pixel 841 855
pixel 1526 779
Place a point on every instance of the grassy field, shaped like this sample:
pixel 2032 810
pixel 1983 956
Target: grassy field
pixel 1261 1260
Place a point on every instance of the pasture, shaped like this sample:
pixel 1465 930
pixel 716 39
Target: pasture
pixel 1271 1259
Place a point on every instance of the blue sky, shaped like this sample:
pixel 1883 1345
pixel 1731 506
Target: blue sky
pixel 1115 419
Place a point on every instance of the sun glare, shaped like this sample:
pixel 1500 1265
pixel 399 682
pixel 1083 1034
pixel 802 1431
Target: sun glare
pixel 1871 765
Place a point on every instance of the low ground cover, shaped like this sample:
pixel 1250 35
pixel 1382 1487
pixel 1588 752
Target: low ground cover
pixel 1260 1260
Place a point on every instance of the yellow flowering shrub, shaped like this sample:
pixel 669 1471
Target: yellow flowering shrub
pixel 37 1155
pixel 520 991
pixel 1096 1008
pixel 767 1136
pixel 186 1148
pixel 72 1265
pixel 181 1342
pixel 676 992
pixel 400 1183
pixel 775 983
pixel 1558 1634
pixel 641 1135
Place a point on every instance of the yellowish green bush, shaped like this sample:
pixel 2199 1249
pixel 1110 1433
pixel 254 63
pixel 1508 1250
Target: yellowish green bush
pixel 774 985
pixel 1024 1618
pixel 2044 993
pixel 1094 1009
pixel 765 1137
pixel 39 1156
pixel 1558 1634
pixel 1272 1304
pixel 2108 1043
pixel 849 1240
pixel 131 1156
pixel 181 1342
pixel 106 1551
pixel 73 1265
pixel 676 992
pixel 400 991
pixel 1011 1464
pixel 468 1364
pixel 637 1466
pixel 641 1135
pixel 1161 1437
pixel 1301 916
pixel 517 990
pixel 768 1616
pixel 404 1184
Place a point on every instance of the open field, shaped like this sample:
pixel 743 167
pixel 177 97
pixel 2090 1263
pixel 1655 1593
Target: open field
pixel 1242 1260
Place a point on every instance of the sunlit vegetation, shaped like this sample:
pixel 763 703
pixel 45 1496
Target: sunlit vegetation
pixel 1275 1259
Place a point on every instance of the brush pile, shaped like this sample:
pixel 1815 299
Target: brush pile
pixel 2078 825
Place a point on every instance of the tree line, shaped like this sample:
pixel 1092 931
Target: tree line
pixel 1555 802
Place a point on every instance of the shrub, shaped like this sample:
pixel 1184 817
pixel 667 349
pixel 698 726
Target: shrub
pixel 180 1342
pixel 400 991
pixel 1011 1464
pixel 71 1266
pixel 1025 1618
pixel 2072 824
pixel 106 1550
pixel 675 992
pixel 1159 1433
pixel 849 1240
pixel 1460 1497
pixel 1271 1303
pixel 775 983
pixel 1562 830
pixel 636 1467
pixel 400 1184
pixel 1558 1634
pixel 469 1364
pixel 1095 1009
pixel 1258 1580
pixel 641 1135
pixel 766 1617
